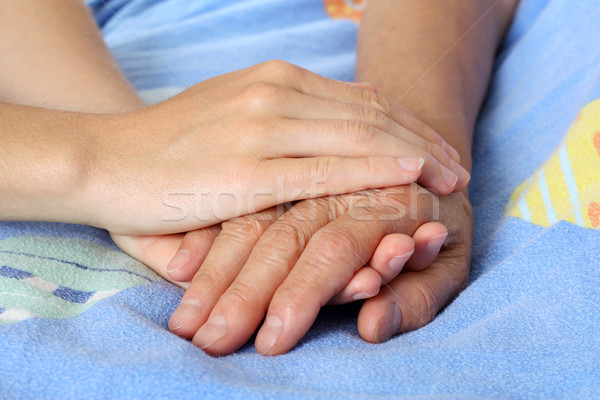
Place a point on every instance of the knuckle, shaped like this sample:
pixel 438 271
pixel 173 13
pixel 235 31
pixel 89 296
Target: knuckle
pixel 203 282
pixel 243 293
pixel 369 97
pixel 247 226
pixel 355 131
pixel 369 114
pixel 284 236
pixel 261 95
pixel 282 70
pixel 336 243
pixel 429 300
pixel 323 167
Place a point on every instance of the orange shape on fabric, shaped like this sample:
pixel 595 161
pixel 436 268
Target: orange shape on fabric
pixel 349 9
pixel 594 214
pixel 597 142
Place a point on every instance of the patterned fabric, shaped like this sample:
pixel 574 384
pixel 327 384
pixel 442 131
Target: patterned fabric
pixel 54 277
pixel 351 9
pixel 567 186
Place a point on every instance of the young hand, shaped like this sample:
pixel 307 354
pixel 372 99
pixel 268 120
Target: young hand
pixel 248 140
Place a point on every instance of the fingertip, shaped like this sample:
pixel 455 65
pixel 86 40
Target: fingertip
pixel 389 324
pixel 268 335
pixel 427 247
pixel 411 164
pixel 464 177
pixel 179 261
pixel 365 284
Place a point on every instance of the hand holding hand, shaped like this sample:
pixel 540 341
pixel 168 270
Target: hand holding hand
pixel 248 140
pixel 303 260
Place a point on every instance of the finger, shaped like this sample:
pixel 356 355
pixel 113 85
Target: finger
pixel 153 250
pixel 331 258
pixel 363 85
pixel 386 263
pixel 429 239
pixel 394 253
pixel 264 98
pixel 241 308
pixel 192 252
pixel 411 300
pixel 321 176
pixel 291 76
pixel 364 284
pixel 227 255
pixel 356 138
pixel 407 119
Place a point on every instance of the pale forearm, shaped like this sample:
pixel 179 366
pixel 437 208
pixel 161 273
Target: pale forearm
pixel 54 57
pixel 434 57
pixel 43 164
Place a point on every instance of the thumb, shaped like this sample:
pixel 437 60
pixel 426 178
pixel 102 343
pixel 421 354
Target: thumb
pixel 412 300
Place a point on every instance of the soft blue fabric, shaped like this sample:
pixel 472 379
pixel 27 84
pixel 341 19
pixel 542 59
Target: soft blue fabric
pixel 528 325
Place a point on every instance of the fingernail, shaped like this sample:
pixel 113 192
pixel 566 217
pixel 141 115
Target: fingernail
pixel 454 155
pixel 449 177
pixel 188 309
pixel 411 164
pixel 179 260
pixel 379 106
pixel 363 295
pixel 397 262
pixel 270 332
pixel 389 324
pixel 214 329
pixel 435 244
pixel 463 174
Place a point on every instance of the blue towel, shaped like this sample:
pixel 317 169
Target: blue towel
pixel 79 319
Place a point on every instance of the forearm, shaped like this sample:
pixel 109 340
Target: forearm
pixel 434 57
pixel 43 164
pixel 54 57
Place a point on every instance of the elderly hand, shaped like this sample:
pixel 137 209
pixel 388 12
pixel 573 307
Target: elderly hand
pixel 287 269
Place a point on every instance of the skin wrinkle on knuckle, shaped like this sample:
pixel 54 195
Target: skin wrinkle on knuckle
pixel 242 293
pixel 429 300
pixel 242 228
pixel 323 167
pixel 203 282
pixel 368 114
pixel 355 131
pixel 334 241
pixel 282 235
pixel 306 285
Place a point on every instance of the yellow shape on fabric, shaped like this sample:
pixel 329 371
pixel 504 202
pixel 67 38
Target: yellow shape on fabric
pixel 349 9
pixel 567 186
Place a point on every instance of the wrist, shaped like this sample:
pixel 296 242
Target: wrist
pixel 44 164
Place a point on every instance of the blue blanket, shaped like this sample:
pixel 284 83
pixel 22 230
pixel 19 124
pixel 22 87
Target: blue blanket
pixel 79 319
